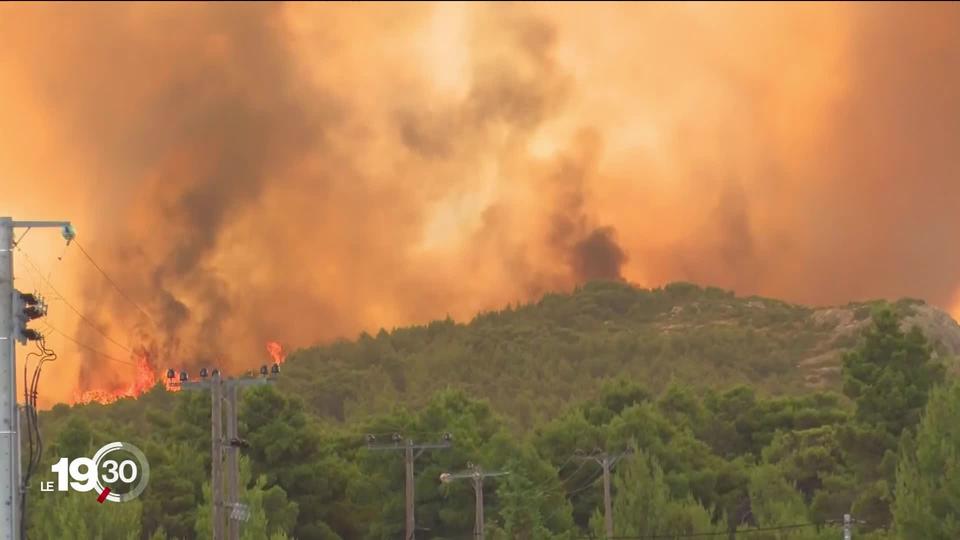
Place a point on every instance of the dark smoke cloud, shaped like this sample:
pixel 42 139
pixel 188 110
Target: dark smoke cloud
pixel 302 172
pixel 591 252
pixel 598 256
pixel 238 182
pixel 193 110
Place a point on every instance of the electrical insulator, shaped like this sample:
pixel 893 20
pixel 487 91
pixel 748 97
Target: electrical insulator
pixel 26 307
pixel 203 373
pixel 68 232
pixel 183 376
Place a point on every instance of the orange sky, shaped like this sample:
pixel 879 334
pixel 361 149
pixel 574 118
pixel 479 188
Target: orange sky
pixel 302 172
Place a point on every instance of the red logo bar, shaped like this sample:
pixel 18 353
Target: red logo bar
pixel 103 496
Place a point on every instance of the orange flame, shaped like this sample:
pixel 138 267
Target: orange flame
pixel 144 379
pixel 276 352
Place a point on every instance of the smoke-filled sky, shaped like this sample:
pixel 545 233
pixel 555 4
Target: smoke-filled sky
pixel 306 171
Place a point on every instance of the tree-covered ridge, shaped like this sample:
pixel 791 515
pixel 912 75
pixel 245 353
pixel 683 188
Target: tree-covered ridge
pixel 702 459
pixel 529 361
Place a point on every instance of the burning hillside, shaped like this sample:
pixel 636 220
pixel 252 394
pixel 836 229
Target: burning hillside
pixel 147 375
pixel 364 166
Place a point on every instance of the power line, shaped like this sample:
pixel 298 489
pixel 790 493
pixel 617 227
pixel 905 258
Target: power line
pixel 112 282
pixel 71 306
pixel 606 462
pixel 587 485
pixel 88 347
pixel 418 434
pixel 570 494
pixel 35 270
pixel 18 240
pixel 707 534
pixel 228 447
pixel 557 470
pixel 563 481
pixel 411 452
pixel 477 475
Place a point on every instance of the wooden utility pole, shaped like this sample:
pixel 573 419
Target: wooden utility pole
pixel 849 522
pixel 226 515
pixel 606 461
pixel 233 464
pixel 607 499
pixel 411 452
pixel 409 520
pixel 478 512
pixel 476 474
pixel 216 455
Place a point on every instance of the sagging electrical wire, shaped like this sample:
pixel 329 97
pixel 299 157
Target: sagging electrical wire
pixel 31 392
pixel 571 493
pixel 730 534
pixel 73 308
pixel 114 284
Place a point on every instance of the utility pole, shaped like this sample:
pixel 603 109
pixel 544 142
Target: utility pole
pixel 408 491
pixel 607 499
pixel 233 462
pixel 477 475
pixel 12 331
pixel 216 455
pixel 848 523
pixel 411 451
pixel 606 461
pixel 225 506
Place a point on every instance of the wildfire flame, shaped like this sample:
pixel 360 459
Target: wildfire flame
pixel 276 352
pixel 146 377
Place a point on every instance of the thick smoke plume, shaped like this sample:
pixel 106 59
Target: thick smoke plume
pixel 258 172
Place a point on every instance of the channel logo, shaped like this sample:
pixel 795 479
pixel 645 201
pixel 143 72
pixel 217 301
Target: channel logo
pixel 114 480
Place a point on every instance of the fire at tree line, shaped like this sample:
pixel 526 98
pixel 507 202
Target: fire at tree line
pixel 698 405
pixel 146 375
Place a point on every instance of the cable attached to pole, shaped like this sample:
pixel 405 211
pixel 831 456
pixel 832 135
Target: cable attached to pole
pixel 114 283
pixel 35 439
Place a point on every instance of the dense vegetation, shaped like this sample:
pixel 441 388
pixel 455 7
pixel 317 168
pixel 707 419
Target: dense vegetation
pixel 530 362
pixel 723 435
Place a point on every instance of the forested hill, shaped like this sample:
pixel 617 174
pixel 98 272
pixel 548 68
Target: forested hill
pixel 567 374
pixel 531 361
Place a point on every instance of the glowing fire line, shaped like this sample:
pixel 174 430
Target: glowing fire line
pixel 146 377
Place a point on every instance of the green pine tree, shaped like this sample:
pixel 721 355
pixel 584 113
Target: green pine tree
pixel 889 377
pixel 928 475
pixel 643 504
pixel 78 516
pixel 258 499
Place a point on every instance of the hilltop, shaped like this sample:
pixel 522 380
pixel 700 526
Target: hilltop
pixel 531 360
pixel 525 388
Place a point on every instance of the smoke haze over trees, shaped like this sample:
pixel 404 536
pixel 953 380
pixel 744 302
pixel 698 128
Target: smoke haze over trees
pixel 303 172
